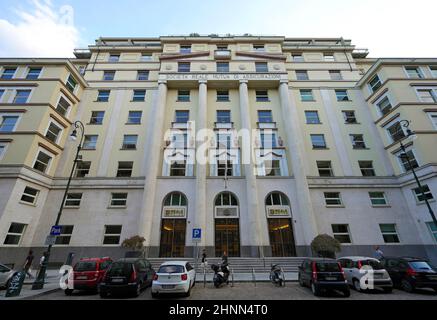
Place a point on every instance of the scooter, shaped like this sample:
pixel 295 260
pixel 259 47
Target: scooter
pixel 276 276
pixel 221 274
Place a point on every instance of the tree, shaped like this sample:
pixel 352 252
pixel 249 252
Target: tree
pixel 325 246
pixel 135 243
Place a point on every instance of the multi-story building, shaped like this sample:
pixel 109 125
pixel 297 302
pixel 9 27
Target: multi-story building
pixel 303 138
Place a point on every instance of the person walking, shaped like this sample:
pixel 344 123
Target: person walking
pixel 204 261
pixel 224 258
pixel 378 254
pixel 28 264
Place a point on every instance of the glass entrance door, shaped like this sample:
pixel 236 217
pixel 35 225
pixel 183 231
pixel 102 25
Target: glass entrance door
pixel 172 238
pixel 281 238
pixel 227 237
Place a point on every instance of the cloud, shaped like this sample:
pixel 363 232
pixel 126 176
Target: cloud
pixel 44 31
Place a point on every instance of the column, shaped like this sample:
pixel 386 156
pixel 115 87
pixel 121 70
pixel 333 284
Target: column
pixel 152 165
pixel 296 149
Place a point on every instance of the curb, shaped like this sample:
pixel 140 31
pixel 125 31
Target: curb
pixel 40 294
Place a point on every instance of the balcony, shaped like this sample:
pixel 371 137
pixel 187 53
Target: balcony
pixel 266 125
pixel 224 125
pixel 360 53
pixel 82 53
pixel 222 54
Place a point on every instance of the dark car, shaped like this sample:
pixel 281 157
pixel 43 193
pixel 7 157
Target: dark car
pixel 321 275
pixel 410 273
pixel 88 273
pixel 127 276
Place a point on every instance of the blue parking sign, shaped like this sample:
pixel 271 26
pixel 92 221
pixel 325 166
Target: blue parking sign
pixel 55 231
pixel 197 234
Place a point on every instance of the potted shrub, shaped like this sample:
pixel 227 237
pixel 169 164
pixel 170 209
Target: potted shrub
pixel 325 246
pixel 136 246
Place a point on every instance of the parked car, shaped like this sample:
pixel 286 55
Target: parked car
pixel 88 273
pixel 410 273
pixel 174 277
pixel 354 272
pixel 6 274
pixel 127 276
pixel 322 274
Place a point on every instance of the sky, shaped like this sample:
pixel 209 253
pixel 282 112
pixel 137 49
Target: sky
pixel 54 28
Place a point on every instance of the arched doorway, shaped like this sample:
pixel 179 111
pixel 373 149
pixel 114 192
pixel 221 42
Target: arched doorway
pixel 280 225
pixel 227 225
pixel 173 225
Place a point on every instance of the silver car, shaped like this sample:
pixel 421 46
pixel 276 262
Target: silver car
pixel 364 273
pixel 5 275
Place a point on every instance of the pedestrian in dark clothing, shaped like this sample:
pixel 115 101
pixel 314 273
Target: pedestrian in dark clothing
pixel 28 264
pixel 224 258
pixel 204 261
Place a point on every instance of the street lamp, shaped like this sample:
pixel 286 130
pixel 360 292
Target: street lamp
pixel 39 282
pixel 406 124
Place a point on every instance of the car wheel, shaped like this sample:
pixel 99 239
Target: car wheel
pixel 188 293
pixel 301 283
pixel 103 295
pixel 68 292
pixel 357 285
pixel 346 293
pixel 388 290
pixel 407 286
pixel 315 289
pixel 8 283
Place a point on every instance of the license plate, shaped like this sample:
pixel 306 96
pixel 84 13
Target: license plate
pixel 167 286
pixel 331 278
pixel 82 278
pixel 377 276
pixel 117 280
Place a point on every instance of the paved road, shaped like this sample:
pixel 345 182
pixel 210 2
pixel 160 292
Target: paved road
pixel 263 291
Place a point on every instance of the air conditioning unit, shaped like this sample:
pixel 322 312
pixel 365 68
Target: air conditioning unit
pixel 226 212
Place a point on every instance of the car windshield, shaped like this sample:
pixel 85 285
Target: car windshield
pixel 327 267
pixel 420 265
pixel 171 269
pixel 85 266
pixel 376 265
pixel 120 269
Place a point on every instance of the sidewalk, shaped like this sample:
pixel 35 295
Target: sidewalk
pixel 51 285
pixel 248 277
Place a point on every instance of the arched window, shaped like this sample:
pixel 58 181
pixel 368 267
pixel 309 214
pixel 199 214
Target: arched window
pixel 175 199
pixel 226 199
pixel 277 199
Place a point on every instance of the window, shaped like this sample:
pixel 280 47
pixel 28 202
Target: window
pixel 408 160
pixel 223 95
pixel 384 105
pixel 2 91
pixel 375 83
pixel 222 66
pixel 183 67
pixel 125 169
pixel 8 73
pixel 306 95
pixel 143 75
pixel 377 198
pixel 349 117
pixel 65 236
pixel 261 67
pixel 366 168
pixel 71 83
pixel 183 95
pixel 341 233
pixel 268 140
pixel 175 199
pixel 427 95
pixel 21 96
pixel 433 70
pixel 53 132
pixel 177 168
pixel 15 232
pixel 30 195
pixel 312 117
pixel 90 142
pixel 182 116
pixel 3 147
pixel 222 47
pixel 225 199
pixel 223 116
pixel 325 169
pixel 272 167
pixel 335 75
pixel 146 57
pixel 422 194
pixel 103 95
pixel 332 198
pixel 224 168
pixel 134 117
pixel 139 95
pixel 433 229
pixel 114 57
pixel 118 199
pixel 414 72
pixel 97 117
pixel 33 73
pixel 265 116
pixel 8 123
pixel 357 141
pixel 395 131
pixel 259 47
pixel 185 48
pixel 276 199
pixel 129 142
pixel 42 162
pixel 328 57
pixel 341 95
pixel 302 75
pixel 73 200
pixel 223 140
pixel 83 169
pixel 389 233
pixel 262 95
pixel 433 117
pixel 318 141
pixel 63 106
pixel 82 70
pixel 108 75
pixel 112 235
pixel 297 57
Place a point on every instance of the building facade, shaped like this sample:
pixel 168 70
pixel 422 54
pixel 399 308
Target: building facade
pixel 262 142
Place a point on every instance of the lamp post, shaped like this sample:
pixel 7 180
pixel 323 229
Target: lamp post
pixel 406 124
pixel 39 282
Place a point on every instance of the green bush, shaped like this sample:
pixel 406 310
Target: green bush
pixel 134 243
pixel 325 246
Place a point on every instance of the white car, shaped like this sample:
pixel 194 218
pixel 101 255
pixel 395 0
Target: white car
pixel 5 275
pixel 365 273
pixel 174 277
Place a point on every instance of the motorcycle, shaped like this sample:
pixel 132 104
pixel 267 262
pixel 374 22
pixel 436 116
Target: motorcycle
pixel 221 274
pixel 276 276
